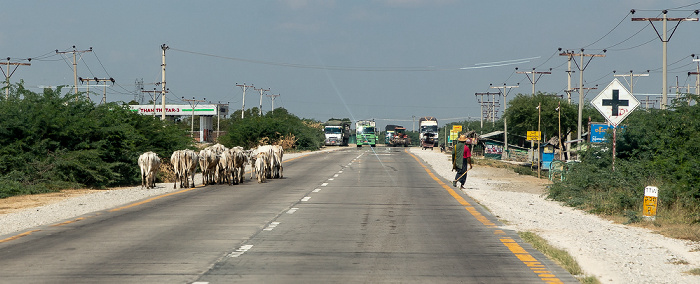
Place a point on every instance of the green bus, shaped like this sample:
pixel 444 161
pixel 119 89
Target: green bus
pixel 366 133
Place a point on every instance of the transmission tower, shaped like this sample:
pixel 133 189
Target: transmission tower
pixel 491 103
pixel 138 95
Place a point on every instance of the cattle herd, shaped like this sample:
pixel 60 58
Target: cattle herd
pixel 218 164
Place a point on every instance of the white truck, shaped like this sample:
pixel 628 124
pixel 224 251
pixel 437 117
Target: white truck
pixel 337 132
pixel 428 127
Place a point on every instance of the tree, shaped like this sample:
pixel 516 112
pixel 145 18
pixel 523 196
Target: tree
pixel 522 115
pixel 52 142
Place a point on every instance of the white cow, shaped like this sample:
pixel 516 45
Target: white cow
pixel 149 164
pixel 184 165
pixel 239 162
pixel 190 166
pixel 208 160
pixel 261 166
pixel 276 164
pixel 224 167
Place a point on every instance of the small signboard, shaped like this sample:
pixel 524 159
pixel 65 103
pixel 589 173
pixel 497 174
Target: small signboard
pixel 534 135
pixel 651 195
pixel 457 128
pixel 453 135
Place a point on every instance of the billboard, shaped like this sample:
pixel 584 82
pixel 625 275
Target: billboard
pixel 598 131
pixel 180 110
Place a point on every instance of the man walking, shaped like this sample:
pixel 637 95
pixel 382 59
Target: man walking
pixel 461 156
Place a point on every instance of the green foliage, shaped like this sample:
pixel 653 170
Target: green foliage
pixel 273 126
pixel 522 115
pixel 657 148
pixel 50 142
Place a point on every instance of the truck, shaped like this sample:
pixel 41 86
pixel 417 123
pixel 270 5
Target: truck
pixel 389 133
pixel 337 132
pixel 400 138
pixel 428 127
pixel 366 133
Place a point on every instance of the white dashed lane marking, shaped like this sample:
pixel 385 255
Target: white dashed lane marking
pixel 240 251
pixel 324 184
pixel 306 198
pixel 271 226
pixel 291 211
pixel 317 190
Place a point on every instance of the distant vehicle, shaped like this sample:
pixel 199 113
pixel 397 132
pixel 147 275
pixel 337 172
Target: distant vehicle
pixel 366 133
pixel 400 138
pixel 428 124
pixel 337 132
pixel 389 133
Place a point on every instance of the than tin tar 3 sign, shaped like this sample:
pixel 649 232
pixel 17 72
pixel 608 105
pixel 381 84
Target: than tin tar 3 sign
pixel 615 103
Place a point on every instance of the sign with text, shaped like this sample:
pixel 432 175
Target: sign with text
pixel 181 110
pixel 534 135
pixel 457 128
pixel 651 195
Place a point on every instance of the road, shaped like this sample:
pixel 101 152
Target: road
pixel 371 215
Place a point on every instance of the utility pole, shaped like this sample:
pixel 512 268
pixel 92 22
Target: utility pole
pixel 9 74
pixel 193 103
pixel 154 97
pixel 581 67
pixel 664 41
pixel 505 90
pixel 631 75
pixel 536 75
pixel 261 95
pixel 162 82
pixel 273 100
pixel 244 87
pixel 97 80
pixel 75 65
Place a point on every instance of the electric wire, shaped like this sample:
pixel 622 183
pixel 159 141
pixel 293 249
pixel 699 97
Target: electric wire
pixel 618 24
pixel 373 69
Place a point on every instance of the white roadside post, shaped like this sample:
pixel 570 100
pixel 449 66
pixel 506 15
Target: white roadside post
pixel 651 196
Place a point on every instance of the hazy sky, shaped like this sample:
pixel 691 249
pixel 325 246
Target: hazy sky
pixel 385 59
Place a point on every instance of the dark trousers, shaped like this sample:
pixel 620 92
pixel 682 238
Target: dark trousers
pixel 461 175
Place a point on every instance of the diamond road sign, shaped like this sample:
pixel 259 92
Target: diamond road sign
pixel 615 103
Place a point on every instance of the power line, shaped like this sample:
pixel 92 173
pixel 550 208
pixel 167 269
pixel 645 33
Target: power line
pixel 365 68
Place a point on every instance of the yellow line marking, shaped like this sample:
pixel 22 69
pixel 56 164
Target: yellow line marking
pixel 68 222
pixel 511 244
pixel 18 236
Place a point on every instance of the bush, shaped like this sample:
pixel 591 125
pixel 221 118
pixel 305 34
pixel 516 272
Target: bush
pixel 49 142
pixel 657 148
pixel 275 127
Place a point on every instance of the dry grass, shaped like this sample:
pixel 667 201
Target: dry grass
pixel 561 257
pixel 165 172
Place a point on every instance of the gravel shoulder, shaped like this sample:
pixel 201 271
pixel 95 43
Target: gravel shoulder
pixel 614 253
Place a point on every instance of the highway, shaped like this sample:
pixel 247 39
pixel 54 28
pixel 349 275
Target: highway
pixel 357 215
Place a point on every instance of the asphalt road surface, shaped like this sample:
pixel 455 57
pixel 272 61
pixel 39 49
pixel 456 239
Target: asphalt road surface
pixel 367 215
